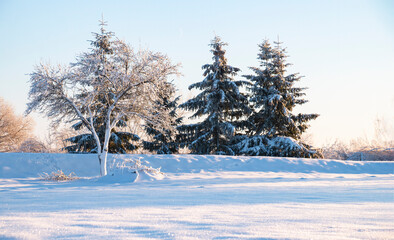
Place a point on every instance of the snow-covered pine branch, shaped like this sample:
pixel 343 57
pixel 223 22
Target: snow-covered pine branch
pixel 220 103
pixel 164 140
pixel 273 96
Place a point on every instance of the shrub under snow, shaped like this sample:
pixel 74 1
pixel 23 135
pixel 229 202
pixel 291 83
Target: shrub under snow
pixel 58 176
pixel 277 146
pixel 133 170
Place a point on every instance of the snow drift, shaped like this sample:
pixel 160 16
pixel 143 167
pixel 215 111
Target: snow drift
pixel 200 197
pixel 22 165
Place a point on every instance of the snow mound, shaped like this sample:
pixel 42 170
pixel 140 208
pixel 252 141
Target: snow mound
pixel 26 165
pixel 129 170
pixel 144 175
pixel 31 165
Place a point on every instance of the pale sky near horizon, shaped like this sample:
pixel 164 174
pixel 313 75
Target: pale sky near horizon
pixel 345 49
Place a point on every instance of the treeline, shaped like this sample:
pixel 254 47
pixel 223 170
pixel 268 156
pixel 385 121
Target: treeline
pixel 252 116
pixel 111 89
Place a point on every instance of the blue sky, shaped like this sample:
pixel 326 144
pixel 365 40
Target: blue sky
pixel 344 49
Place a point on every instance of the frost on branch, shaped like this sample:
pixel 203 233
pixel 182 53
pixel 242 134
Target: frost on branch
pixel 14 129
pixel 111 80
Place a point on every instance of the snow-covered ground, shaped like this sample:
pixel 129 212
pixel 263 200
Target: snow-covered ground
pixel 200 197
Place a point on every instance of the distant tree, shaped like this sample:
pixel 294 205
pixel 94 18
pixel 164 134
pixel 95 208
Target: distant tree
pixel 164 141
pixel 33 145
pixel 14 129
pixel 128 81
pixel 220 101
pixel 384 133
pixel 277 130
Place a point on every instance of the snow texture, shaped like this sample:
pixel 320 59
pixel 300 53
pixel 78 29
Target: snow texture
pixel 198 197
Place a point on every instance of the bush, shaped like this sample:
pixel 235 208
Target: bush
pixel 337 150
pixel 59 176
pixel 359 150
pixel 277 147
pixel 134 166
pixel 375 154
pixel 128 170
pixel 32 145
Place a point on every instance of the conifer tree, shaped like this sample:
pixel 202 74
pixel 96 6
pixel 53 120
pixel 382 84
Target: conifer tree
pixel 164 141
pixel 274 96
pixel 277 130
pixel 120 141
pixel 220 102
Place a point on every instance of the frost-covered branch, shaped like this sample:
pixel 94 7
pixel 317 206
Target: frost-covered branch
pixel 109 81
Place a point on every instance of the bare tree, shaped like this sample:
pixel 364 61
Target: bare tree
pixel 14 129
pixel 384 133
pixel 381 147
pixel 55 139
pixel 129 82
pixel 33 145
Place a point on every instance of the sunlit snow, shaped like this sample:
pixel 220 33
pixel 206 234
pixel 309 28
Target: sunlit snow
pixel 200 197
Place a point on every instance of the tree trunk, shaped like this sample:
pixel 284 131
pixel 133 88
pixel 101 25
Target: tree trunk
pixel 104 153
pixel 103 163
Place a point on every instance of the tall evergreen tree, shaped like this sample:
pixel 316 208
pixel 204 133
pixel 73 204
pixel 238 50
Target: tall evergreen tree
pixel 164 141
pixel 274 95
pixel 277 130
pixel 120 141
pixel 220 101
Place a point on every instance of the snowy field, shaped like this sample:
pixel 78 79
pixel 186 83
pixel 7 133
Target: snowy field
pixel 200 197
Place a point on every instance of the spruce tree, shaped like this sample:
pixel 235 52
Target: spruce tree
pixel 164 141
pixel 277 130
pixel 220 102
pixel 274 95
pixel 120 141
